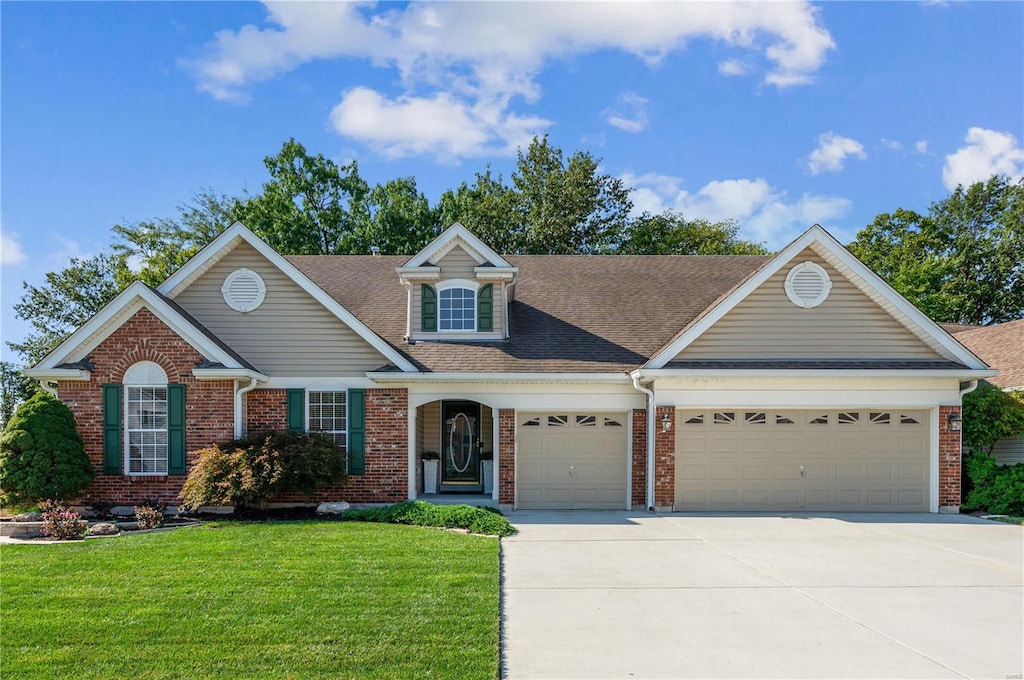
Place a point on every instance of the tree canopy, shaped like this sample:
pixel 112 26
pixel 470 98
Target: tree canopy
pixel 962 261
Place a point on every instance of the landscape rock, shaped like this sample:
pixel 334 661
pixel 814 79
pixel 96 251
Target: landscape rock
pixel 332 508
pixel 103 529
pixel 28 517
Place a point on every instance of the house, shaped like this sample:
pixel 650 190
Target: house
pixel 795 382
pixel 1002 347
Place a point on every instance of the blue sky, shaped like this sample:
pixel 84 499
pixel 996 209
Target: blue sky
pixel 778 115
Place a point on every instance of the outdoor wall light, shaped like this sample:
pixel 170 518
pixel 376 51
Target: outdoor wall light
pixel 954 421
pixel 666 423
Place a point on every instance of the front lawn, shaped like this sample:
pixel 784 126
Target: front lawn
pixel 272 600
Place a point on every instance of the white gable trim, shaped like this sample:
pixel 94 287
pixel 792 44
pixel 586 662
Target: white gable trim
pixel 133 298
pixel 227 240
pixel 451 237
pixel 859 274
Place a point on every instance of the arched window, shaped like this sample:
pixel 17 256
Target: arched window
pixel 456 306
pixel 146 419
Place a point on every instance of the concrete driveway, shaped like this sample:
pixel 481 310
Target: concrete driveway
pixel 635 595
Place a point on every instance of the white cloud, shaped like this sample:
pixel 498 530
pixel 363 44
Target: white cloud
pixel 891 144
pixel 921 146
pixel 631 114
pixel 763 212
pixel 10 249
pixel 733 67
pixel 443 125
pixel 988 152
pixel 832 152
pixel 492 52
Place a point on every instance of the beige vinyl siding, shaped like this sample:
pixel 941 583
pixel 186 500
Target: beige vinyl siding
pixel 290 334
pixel 848 325
pixel 457 264
pixel 1009 451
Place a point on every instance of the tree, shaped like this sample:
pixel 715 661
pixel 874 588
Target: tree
pixel 990 414
pixel 15 388
pixel 961 262
pixel 310 206
pixel 488 209
pixel 399 220
pixel 669 233
pixel 567 206
pixel 42 456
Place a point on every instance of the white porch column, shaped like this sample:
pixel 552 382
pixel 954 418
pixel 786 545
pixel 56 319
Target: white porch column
pixel 412 453
pixel 496 437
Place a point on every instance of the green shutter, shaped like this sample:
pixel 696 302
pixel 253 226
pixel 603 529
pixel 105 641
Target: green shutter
pixel 175 429
pixel 357 432
pixel 297 410
pixel 485 308
pixel 428 320
pixel 113 453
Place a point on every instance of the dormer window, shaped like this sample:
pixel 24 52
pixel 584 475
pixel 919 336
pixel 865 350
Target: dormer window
pixel 457 309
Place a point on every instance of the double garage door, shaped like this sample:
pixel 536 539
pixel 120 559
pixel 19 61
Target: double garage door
pixel 572 461
pixel 773 460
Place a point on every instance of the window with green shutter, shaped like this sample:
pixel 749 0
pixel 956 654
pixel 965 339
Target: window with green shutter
pixel 485 309
pixel 113 453
pixel 175 429
pixel 297 410
pixel 428 309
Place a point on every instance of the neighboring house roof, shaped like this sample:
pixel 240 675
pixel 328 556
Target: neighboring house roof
pixel 1001 346
pixel 572 313
pixel 955 328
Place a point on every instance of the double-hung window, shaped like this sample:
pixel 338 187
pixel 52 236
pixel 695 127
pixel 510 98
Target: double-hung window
pixel 328 413
pixel 146 427
pixel 457 309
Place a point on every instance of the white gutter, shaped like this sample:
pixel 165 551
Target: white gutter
pixel 229 374
pixel 408 310
pixel 47 387
pixel 971 386
pixel 239 402
pixel 650 438
pixel 41 374
pixel 971 374
pixel 395 377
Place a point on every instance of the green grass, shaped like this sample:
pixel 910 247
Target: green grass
pixel 1008 519
pixel 253 600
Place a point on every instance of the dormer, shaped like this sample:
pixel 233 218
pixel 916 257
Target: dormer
pixel 458 289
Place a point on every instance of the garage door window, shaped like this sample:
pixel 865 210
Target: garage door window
pixel 849 418
pixel 880 418
pixel 611 422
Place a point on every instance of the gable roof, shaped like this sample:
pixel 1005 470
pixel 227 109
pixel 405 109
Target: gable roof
pixel 571 314
pixel 451 237
pixel 849 266
pixel 1002 347
pixel 237 233
pixel 133 298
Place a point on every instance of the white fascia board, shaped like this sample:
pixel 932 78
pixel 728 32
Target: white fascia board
pixel 73 374
pixel 390 377
pixel 103 324
pixel 966 374
pixel 238 230
pixel 228 374
pixel 447 240
pixel 418 273
pixel 496 273
pixel 327 382
pixel 212 252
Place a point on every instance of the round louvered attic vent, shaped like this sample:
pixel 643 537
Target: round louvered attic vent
pixel 243 290
pixel 807 285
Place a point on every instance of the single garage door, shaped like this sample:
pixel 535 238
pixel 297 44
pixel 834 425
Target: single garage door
pixel 572 461
pixel 855 460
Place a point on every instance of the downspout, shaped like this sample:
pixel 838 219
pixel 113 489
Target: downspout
pixel 408 311
pixel 46 387
pixel 971 386
pixel 239 400
pixel 650 440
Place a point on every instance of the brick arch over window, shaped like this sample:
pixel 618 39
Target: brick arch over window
pixel 140 354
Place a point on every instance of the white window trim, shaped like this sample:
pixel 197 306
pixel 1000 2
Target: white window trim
pixel 450 284
pixel 329 388
pixel 127 440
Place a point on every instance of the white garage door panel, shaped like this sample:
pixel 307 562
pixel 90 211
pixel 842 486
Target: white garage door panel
pixel 570 461
pixel 802 460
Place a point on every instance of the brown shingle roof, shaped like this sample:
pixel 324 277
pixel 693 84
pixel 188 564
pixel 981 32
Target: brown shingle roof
pixel 1000 346
pixel 572 313
pixel 955 328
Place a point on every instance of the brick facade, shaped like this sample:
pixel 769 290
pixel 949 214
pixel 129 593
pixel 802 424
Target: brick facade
pixel 639 452
pixel 949 460
pixel 506 456
pixel 664 459
pixel 209 405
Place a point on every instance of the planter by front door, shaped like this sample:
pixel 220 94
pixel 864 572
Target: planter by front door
pixel 429 476
pixel 460 444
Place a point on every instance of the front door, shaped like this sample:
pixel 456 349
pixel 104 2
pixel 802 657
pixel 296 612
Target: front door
pixel 460 447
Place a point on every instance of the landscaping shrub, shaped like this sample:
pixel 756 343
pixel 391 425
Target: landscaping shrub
pixel 149 515
pixel 249 471
pixel 487 521
pixel 61 523
pixel 997 489
pixel 41 453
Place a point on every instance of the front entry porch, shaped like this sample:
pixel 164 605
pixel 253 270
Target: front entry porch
pixel 454 445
